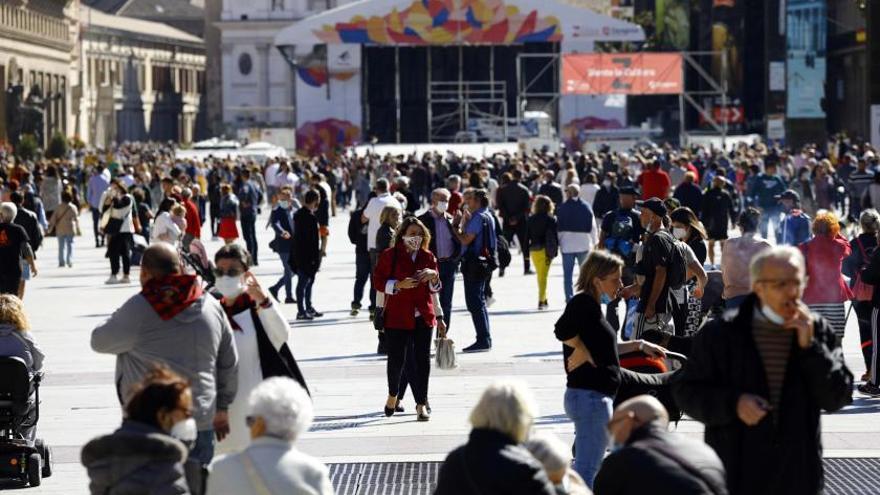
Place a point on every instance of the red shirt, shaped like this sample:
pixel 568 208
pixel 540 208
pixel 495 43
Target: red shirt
pixel 455 201
pixel 824 256
pixel 193 221
pixel 655 184
pixel 400 308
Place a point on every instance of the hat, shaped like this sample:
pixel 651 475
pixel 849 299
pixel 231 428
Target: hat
pixel 629 190
pixel 789 194
pixel 655 205
pixel 869 155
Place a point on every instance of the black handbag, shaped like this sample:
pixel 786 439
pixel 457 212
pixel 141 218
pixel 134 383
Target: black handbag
pixel 379 317
pixel 114 225
pixel 479 266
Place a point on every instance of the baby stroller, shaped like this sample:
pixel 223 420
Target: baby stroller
pixel 22 456
pixel 641 374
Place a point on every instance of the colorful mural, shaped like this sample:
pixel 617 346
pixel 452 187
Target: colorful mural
pixel 327 136
pixel 437 22
pixel 317 77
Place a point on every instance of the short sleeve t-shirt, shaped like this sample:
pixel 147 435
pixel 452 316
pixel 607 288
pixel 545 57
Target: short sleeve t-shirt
pixel 12 236
pixel 658 251
pixel 475 226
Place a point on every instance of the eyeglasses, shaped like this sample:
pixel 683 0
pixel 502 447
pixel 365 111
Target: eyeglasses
pixel 785 284
pixel 235 272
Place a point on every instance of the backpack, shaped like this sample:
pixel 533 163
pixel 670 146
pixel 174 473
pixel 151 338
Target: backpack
pixel 676 272
pixel 620 240
pixel 863 291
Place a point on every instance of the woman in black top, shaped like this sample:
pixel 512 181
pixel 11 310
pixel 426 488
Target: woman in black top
pixel 863 247
pixel 543 243
pixel 305 257
pixel 590 355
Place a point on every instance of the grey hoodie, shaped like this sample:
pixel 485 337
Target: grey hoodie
pixel 20 344
pixel 197 344
pixel 137 459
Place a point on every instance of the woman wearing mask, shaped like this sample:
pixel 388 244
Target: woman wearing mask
pixel 686 228
pixel 407 274
pixel 118 224
pixel 305 255
pixel 228 231
pixel 543 243
pixel 590 356
pixel 164 228
pixel 261 335
pixel 826 290
pixel 863 247
pixel 146 454
pixel 65 223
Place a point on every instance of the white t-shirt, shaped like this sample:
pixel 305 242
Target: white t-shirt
pixel 588 192
pixel 271 172
pixel 373 211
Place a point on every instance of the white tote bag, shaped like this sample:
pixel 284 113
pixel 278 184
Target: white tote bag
pixel 445 357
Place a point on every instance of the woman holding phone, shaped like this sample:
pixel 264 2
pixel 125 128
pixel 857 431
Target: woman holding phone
pixel 407 275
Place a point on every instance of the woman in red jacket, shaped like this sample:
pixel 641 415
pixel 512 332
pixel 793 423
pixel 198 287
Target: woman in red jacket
pixel 826 288
pixel 407 274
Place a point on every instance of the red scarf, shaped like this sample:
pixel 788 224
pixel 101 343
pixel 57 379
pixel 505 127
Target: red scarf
pixel 242 303
pixel 172 294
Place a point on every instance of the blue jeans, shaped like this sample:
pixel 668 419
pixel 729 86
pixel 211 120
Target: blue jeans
pixel 590 411
pixel 362 275
pixel 249 232
pixel 203 450
pixel 767 215
pixel 65 250
pixel 475 297
pixel 568 265
pixel 447 279
pixel 304 291
pixel 734 302
pixel 287 279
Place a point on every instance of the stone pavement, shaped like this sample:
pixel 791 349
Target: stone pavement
pixel 336 353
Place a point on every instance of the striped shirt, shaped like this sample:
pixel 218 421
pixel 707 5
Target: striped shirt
pixel 774 345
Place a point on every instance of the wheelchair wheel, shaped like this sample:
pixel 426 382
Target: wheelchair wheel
pixel 47 458
pixel 33 470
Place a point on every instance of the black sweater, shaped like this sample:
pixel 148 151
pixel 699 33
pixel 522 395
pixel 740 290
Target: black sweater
pixel 583 317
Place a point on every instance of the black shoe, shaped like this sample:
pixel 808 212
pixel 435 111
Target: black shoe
pixel 528 271
pixel 478 347
pixel 389 411
pixel 869 389
pixel 399 408
pixel 314 313
pixel 289 300
pixel 274 292
pixel 501 272
pixel 428 407
pixel 372 314
pixel 304 317
pixel 422 414
pixel 380 349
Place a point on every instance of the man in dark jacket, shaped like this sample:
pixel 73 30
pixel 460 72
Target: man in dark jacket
pixel 760 378
pixel 551 188
pixel 249 197
pixel 305 254
pixel 669 461
pixel 281 221
pixel 607 197
pixel 445 246
pixel 357 234
pixel 514 201
pixel 28 221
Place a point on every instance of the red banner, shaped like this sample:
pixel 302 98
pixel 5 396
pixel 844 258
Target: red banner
pixel 622 73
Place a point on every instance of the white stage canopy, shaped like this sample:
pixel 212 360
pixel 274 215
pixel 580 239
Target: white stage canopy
pixel 454 22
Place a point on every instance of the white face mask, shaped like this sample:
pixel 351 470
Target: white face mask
pixel 606 183
pixel 413 242
pixel 771 315
pixel 680 233
pixel 186 431
pixel 284 204
pixel 442 206
pixel 229 287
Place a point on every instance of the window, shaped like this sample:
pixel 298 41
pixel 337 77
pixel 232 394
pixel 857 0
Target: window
pixel 245 64
pixel 277 4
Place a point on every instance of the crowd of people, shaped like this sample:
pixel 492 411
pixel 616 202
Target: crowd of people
pixel 745 261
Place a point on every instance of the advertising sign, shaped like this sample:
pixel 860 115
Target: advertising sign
pixel 621 73
pixel 806 37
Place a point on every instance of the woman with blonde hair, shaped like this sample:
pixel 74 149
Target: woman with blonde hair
pixel 590 356
pixel 16 341
pixel 826 289
pixel 543 243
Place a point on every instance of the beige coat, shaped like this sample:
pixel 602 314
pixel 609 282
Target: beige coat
pixel 65 220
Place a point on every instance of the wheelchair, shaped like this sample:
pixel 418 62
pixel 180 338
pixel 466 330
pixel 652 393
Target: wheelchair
pixel 21 458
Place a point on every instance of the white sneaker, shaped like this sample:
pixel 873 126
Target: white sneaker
pixel 125 280
pixel 490 301
pixel 112 280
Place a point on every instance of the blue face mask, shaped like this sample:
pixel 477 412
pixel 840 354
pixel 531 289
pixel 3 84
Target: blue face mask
pixel 604 298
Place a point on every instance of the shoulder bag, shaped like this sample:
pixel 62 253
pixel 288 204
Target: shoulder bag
pixel 862 291
pixel 479 265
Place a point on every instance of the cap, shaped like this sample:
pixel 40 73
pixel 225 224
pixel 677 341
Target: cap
pixel 789 194
pixel 655 205
pixel 869 155
pixel 629 190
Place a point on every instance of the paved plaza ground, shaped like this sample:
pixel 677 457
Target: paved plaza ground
pixel 337 355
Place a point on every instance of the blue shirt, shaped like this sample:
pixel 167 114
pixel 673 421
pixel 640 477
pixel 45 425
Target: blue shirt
pixel 96 187
pixel 480 220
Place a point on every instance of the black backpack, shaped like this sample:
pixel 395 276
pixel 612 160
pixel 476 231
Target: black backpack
pixel 676 272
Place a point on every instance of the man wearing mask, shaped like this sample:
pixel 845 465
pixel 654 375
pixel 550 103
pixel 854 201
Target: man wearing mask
pixel 281 221
pixel 477 236
pixel 607 197
pixel 764 190
pixel 795 227
pixel 760 377
pixel 640 437
pixel 445 246
pixel 173 322
pixel 659 254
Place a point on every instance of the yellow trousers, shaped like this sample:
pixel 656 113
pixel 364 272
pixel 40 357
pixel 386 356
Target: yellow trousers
pixel 542 268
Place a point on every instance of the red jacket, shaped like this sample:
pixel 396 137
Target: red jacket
pixel 825 256
pixel 193 222
pixel 655 184
pixel 400 308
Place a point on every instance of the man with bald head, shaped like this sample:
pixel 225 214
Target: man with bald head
pixel 647 458
pixel 174 323
pixel 760 377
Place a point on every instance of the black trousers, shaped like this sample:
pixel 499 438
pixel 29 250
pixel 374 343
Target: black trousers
pixel 864 310
pixel 249 232
pixel 119 249
pixel 521 231
pixel 416 359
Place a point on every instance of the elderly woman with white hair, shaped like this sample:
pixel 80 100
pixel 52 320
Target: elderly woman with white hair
pixel 556 457
pixel 280 410
pixel 13 249
pixel 494 459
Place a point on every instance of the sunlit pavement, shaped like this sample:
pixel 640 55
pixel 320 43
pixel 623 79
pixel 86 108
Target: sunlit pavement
pixel 337 354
